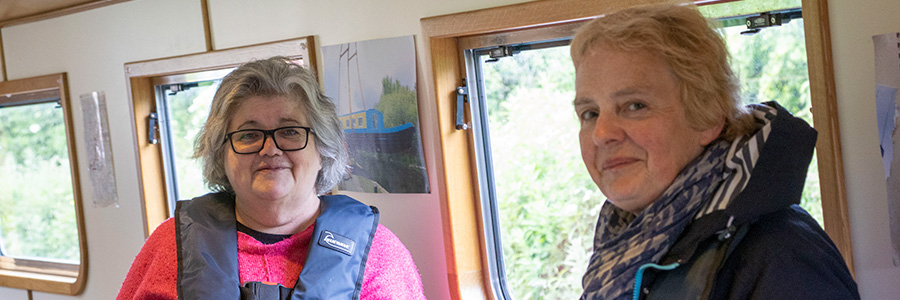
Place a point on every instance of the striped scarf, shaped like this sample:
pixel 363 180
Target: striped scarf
pixel 623 241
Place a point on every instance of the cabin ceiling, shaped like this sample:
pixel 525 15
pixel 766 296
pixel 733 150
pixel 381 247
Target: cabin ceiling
pixel 14 12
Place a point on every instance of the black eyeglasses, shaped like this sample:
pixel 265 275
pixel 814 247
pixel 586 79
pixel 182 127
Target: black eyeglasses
pixel 249 141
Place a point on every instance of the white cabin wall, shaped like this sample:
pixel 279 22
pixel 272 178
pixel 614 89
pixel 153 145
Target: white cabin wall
pixel 853 23
pixel 92 48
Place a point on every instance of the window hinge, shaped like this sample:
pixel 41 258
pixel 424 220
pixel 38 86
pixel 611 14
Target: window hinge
pixel 152 129
pixel 502 51
pixel 770 19
pixel 462 97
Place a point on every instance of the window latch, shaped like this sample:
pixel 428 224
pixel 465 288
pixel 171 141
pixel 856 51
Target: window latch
pixel 152 129
pixel 462 97
pixel 770 19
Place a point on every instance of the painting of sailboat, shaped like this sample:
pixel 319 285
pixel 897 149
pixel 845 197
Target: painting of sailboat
pixel 373 84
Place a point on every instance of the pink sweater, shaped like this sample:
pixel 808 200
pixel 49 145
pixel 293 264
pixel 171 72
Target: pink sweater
pixel 390 271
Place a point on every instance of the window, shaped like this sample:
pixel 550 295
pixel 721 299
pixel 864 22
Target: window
pixel 171 98
pixel 544 205
pixel 42 243
pixel 522 28
pixel 182 103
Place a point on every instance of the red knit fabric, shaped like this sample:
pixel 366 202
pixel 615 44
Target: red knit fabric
pixel 390 271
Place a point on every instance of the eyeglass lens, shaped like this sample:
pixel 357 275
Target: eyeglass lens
pixel 253 140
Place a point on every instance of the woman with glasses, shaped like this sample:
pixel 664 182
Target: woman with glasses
pixel 271 147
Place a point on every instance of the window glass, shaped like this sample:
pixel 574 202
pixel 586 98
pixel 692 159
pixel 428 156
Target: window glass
pixel 547 203
pixel 185 107
pixel 741 8
pixel 37 205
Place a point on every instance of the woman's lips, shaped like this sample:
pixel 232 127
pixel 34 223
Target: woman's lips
pixel 271 168
pixel 616 163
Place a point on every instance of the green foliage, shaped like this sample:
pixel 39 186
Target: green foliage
pixel 188 111
pixel 37 215
pixel 548 203
pixel 397 104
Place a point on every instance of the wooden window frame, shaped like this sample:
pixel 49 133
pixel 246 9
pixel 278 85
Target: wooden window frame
pixel 460 201
pixel 24 11
pixel 41 275
pixel 140 75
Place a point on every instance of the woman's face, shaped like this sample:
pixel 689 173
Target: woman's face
pixel 271 174
pixel 634 136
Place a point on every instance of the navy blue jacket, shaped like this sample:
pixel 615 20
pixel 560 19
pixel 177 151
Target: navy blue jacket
pixel 772 248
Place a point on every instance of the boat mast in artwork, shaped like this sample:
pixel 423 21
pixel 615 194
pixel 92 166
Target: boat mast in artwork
pixel 347 56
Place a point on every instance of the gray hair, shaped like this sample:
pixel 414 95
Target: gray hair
pixel 276 76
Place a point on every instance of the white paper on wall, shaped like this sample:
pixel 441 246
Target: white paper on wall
pixel 885 108
pixel 100 159
pixel 887 81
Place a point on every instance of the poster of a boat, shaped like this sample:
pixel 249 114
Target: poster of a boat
pixel 373 86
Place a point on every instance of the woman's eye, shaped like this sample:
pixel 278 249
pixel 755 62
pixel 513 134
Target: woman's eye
pixel 249 136
pixel 635 106
pixel 587 115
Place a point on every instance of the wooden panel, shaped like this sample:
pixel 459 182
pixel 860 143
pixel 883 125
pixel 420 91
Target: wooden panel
pixel 78 286
pixel 14 12
pixel 825 118
pixel 520 16
pixel 293 48
pixel 207 31
pixel 2 59
pixel 150 160
pixel 459 201
pixel 30 85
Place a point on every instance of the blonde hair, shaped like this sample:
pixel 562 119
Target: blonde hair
pixel 695 53
pixel 276 76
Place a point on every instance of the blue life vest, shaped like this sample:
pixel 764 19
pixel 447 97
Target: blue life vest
pixel 206 238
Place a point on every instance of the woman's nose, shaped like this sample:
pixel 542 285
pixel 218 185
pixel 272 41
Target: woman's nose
pixel 269 147
pixel 607 130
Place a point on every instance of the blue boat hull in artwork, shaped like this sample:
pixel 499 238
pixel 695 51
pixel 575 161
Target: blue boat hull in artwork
pixel 391 140
pixel 365 131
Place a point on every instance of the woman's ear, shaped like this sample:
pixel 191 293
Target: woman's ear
pixel 710 134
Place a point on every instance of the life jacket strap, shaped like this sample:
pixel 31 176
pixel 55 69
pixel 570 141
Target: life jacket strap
pixel 256 290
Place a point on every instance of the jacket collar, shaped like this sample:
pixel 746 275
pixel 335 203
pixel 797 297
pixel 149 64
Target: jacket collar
pixel 776 182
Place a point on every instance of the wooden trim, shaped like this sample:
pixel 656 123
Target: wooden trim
pixel 220 59
pixel 524 15
pixel 2 57
pixel 462 230
pixel 825 120
pixel 140 75
pixel 463 236
pixel 52 281
pixel 150 162
pixel 58 12
pixel 207 31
